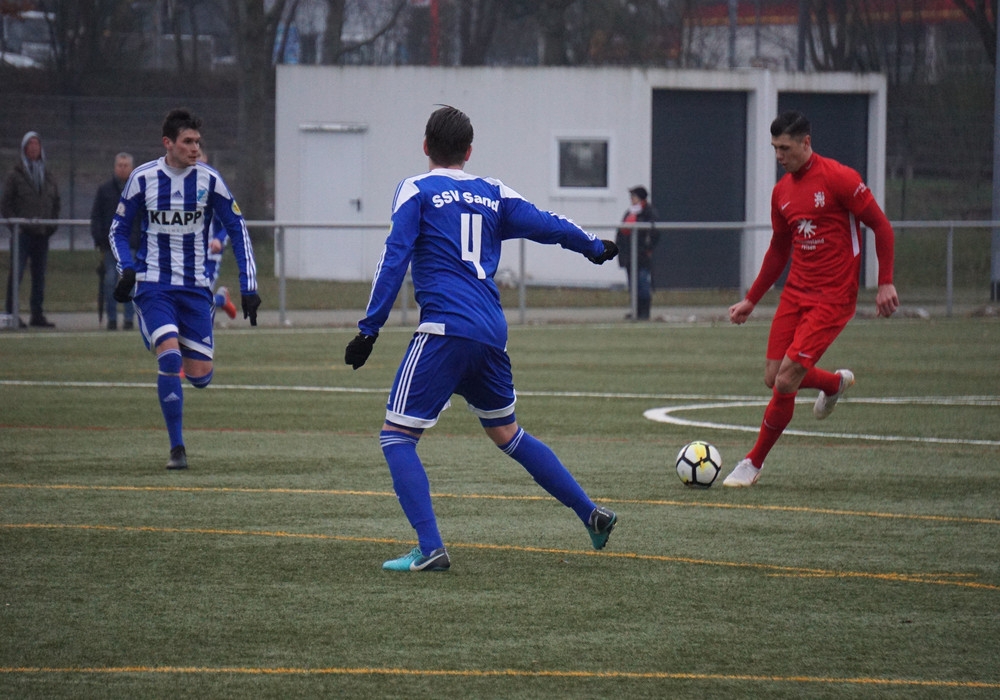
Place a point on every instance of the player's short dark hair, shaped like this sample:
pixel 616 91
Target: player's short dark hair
pixel 449 135
pixel 177 120
pixel 792 123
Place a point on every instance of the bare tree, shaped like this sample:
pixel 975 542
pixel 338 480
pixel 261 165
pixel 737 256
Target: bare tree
pixel 333 45
pixel 86 38
pixel 255 31
pixel 477 23
pixel 869 36
pixel 552 20
pixel 983 16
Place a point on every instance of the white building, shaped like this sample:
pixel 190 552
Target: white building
pixel 572 140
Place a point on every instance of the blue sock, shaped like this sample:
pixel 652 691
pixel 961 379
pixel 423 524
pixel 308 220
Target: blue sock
pixel 546 469
pixel 413 490
pixel 168 387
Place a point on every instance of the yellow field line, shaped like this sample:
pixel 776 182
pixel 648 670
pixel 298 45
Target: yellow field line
pixel 937 578
pixel 498 497
pixel 507 672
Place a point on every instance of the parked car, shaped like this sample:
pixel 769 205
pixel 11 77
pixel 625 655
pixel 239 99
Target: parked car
pixel 26 39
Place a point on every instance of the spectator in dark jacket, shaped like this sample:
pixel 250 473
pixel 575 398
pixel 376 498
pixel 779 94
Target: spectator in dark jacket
pixel 647 238
pixel 30 192
pixel 101 214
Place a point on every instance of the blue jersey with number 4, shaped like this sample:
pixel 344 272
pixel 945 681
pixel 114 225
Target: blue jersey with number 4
pixel 449 225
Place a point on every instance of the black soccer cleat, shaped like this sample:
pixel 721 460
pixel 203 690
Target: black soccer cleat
pixel 602 521
pixel 178 458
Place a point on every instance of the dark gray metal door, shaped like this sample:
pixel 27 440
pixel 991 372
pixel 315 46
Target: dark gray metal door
pixel 698 174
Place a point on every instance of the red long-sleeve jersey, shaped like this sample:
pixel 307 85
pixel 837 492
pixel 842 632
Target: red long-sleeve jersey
pixel 816 217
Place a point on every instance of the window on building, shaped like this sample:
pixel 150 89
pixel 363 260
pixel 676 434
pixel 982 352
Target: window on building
pixel 583 163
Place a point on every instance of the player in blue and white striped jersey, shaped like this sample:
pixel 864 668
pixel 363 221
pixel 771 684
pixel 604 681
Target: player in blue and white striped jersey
pixel 176 199
pixel 448 227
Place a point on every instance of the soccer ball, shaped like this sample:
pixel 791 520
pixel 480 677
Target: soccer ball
pixel 698 464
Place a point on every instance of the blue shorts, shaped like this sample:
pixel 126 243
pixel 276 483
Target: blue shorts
pixel 185 313
pixel 437 366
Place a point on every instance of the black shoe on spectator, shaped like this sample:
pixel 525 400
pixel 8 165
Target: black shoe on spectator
pixel 40 321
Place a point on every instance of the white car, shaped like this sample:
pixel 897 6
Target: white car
pixel 17 60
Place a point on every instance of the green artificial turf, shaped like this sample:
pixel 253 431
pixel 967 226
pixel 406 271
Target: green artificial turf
pixel 862 564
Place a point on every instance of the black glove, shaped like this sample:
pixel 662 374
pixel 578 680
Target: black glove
pixel 610 252
pixel 250 304
pixel 359 349
pixel 123 290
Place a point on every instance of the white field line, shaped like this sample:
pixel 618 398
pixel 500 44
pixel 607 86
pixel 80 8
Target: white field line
pixel 664 414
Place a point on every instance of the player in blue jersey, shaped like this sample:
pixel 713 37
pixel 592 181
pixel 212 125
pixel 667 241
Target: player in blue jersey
pixel 176 199
pixel 449 226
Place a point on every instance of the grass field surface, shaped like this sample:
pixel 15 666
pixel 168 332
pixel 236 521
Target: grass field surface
pixel 864 563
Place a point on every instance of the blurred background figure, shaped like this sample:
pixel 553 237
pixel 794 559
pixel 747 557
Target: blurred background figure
pixel 101 214
pixel 30 192
pixel 639 210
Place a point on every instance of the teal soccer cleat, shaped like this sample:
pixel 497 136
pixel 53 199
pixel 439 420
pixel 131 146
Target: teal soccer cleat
pixel 416 561
pixel 602 522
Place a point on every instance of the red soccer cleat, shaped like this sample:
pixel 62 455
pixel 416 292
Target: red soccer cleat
pixel 228 306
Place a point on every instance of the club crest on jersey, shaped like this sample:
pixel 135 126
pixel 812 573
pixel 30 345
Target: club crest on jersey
pixel 202 194
pixel 174 218
pixel 236 209
pixel 807 229
pixel 819 199
pixel 120 210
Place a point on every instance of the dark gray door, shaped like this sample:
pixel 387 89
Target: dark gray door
pixel 839 125
pixel 698 174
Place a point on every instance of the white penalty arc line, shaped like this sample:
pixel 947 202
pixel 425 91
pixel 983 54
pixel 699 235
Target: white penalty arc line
pixel 666 415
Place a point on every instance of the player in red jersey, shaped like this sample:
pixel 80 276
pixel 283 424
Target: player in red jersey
pixel 817 209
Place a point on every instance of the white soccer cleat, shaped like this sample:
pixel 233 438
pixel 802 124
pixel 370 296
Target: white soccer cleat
pixel 825 404
pixel 745 474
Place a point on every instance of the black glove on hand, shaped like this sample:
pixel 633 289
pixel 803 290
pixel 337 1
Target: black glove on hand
pixel 359 349
pixel 250 304
pixel 123 290
pixel 610 252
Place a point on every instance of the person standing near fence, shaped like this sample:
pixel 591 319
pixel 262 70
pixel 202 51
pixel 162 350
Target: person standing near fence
pixel 817 209
pixel 101 214
pixel 30 192
pixel 450 226
pixel 177 198
pixel 646 239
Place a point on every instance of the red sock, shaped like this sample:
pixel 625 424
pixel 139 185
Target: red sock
pixel 816 378
pixel 777 416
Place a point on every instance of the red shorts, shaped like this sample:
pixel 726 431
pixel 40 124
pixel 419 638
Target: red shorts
pixel 804 331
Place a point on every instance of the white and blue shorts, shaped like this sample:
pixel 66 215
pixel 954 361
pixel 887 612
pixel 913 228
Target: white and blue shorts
pixel 437 366
pixel 187 313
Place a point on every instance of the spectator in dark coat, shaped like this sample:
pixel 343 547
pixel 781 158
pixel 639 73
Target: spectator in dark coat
pixel 30 192
pixel 101 214
pixel 647 238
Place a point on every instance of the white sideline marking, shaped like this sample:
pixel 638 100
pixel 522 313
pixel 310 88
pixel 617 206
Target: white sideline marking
pixel 661 415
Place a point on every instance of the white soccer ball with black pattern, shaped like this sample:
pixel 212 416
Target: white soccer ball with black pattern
pixel 698 464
